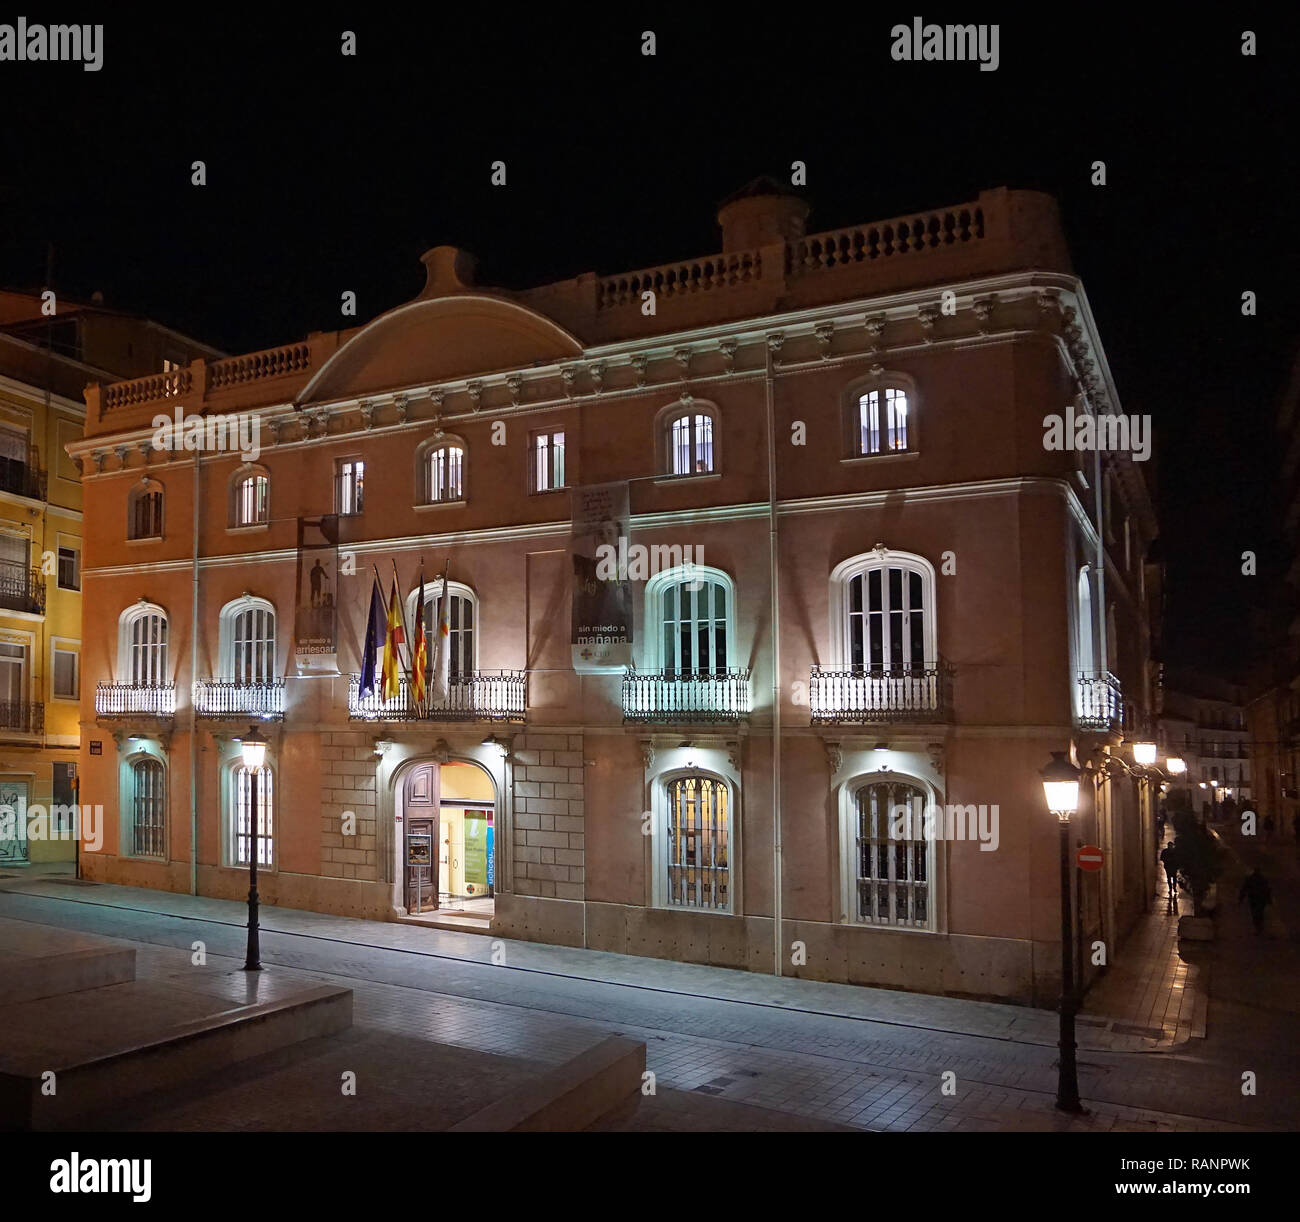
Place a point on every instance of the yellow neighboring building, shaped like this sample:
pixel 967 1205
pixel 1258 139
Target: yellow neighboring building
pixel 45 362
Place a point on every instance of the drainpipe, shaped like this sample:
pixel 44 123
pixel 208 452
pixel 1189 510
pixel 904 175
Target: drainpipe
pixel 776 667
pixel 1103 778
pixel 194 670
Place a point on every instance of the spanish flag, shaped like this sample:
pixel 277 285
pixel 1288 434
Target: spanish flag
pixel 392 642
pixel 420 661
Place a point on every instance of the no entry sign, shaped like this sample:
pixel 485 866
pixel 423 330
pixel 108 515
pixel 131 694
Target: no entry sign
pixel 1089 857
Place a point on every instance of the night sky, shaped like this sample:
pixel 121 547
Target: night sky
pixel 327 173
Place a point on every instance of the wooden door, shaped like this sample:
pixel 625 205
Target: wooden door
pixel 420 812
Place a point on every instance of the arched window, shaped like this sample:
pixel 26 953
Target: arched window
pixel 882 423
pixel 883 607
pixel 688 440
pixel 148 807
pixel 250 497
pixel 889 860
pixel 462 616
pixel 144 512
pixel 696 846
pixel 142 646
pixel 690 621
pixel 244 831
pixel 442 472
pixel 248 641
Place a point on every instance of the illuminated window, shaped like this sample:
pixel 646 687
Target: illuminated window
pixel 349 486
pixel 250 499
pixel 241 801
pixel 148 807
pixel 697 843
pixel 248 641
pixel 444 474
pixel 693 631
pixel 885 619
pixel 882 421
pixel 144 646
pixel 547 461
pixel 461 609
pixel 890 856
pixel 689 445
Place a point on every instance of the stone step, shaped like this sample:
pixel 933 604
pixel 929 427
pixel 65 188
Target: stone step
pixel 126 1040
pixel 37 961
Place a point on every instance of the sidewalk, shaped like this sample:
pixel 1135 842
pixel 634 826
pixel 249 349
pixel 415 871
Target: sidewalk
pixel 1118 1019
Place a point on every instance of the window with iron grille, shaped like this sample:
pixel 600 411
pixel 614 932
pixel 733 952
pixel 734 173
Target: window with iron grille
pixel 444 474
pixel 145 514
pixel 698 843
pixel 148 807
pixel 242 781
pixel 882 421
pixel 350 485
pixel 689 445
pixel 891 856
pixel 548 461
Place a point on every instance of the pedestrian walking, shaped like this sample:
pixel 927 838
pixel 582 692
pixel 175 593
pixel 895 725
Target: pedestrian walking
pixel 1169 859
pixel 1268 827
pixel 1256 892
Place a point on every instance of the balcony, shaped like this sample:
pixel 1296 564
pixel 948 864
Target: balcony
pixel 481 695
pixel 22 589
pixel 135 700
pixel 670 697
pixel 1101 702
pixel 881 697
pixel 226 700
pixel 22 717
pixel 22 480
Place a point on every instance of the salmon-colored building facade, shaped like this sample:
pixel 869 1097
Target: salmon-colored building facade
pixel 894 580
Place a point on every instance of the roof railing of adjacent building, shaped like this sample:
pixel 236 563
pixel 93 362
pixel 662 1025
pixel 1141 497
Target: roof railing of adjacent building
pixel 199 377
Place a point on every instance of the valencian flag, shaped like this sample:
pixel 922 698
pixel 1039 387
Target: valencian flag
pixel 442 646
pixel 392 643
pixel 420 652
pixel 376 631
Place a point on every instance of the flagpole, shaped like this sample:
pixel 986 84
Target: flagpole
pixel 401 610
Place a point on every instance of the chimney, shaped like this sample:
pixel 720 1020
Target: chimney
pixel 761 213
pixel 448 270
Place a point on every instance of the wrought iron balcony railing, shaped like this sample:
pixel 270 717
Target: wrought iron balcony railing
pixel 135 699
pixel 1101 702
pixel 22 589
pixel 891 694
pixel 481 695
pixel 672 696
pixel 227 698
pixel 22 716
pixel 21 479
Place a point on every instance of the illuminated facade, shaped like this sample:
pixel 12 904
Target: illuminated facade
pixel 845 429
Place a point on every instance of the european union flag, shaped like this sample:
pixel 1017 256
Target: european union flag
pixel 376 629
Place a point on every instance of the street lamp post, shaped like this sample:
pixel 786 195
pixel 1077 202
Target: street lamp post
pixel 1061 788
pixel 253 748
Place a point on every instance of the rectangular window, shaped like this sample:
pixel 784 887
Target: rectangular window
pixel 67 674
pixel 13 684
pixel 882 421
pixel 69 568
pixel 245 833
pixel 548 461
pixel 698 844
pixel 891 856
pixel 350 482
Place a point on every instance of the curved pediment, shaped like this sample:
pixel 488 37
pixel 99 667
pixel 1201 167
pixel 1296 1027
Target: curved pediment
pixel 438 340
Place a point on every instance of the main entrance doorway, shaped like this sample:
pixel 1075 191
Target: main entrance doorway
pixel 449 833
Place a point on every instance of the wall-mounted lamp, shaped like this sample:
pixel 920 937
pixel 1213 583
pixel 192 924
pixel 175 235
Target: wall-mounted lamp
pixel 881 747
pixel 493 741
pixel 382 745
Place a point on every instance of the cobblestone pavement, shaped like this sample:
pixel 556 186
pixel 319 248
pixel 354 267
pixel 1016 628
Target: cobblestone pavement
pixel 797 1048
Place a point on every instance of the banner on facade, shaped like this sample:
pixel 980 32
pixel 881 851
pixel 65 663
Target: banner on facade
pixel 602 603
pixel 316 620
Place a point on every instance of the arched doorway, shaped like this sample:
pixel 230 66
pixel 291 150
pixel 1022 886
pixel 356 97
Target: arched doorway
pixel 448 839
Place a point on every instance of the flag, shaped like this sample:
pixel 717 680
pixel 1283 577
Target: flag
pixel 442 648
pixel 392 643
pixel 376 624
pixel 420 652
